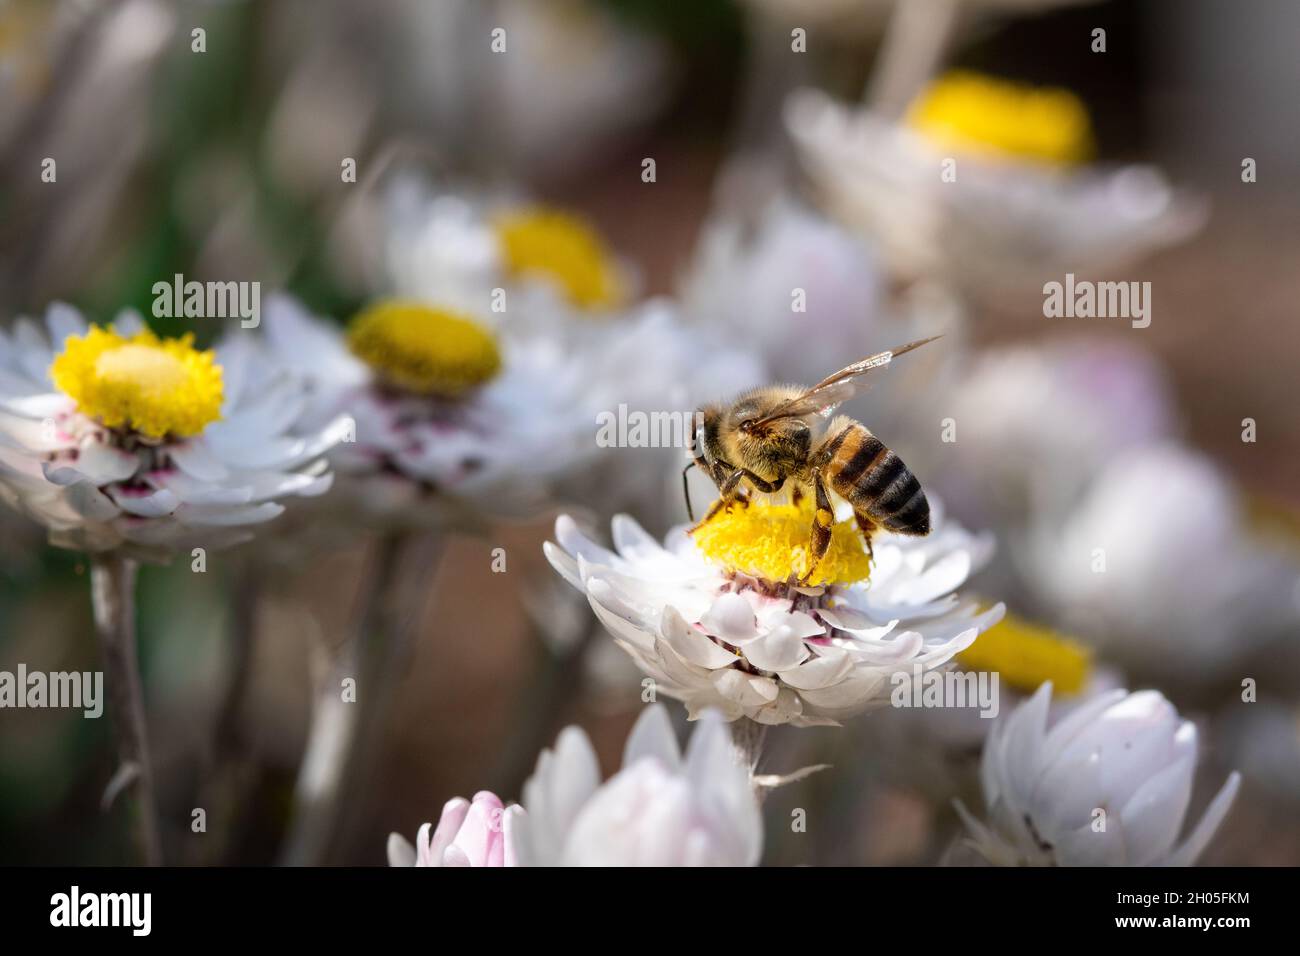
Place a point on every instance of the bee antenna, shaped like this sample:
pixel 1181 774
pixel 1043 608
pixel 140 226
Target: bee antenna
pixel 686 491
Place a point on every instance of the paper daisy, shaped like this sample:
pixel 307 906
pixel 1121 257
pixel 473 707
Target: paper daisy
pixel 1107 784
pixel 478 832
pixel 662 808
pixel 447 414
pixel 114 438
pixel 1025 205
pixel 713 618
pixel 499 257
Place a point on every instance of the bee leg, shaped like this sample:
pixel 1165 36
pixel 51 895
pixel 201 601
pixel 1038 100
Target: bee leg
pixel 767 487
pixel 868 528
pixel 823 519
pixel 729 495
pixel 796 496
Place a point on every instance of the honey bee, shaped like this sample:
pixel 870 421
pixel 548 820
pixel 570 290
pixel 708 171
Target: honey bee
pixel 774 435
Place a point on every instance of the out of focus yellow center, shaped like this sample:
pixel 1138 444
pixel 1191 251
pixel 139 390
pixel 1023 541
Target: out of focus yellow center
pixel 562 248
pixel 154 387
pixel 425 350
pixel 1026 655
pixel 771 542
pixel 970 113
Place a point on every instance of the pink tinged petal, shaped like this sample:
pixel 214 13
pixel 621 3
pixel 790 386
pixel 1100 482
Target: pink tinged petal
pixel 455 856
pixel 453 816
pixel 1195 844
pixel 96 462
pixel 691 644
pixel 196 459
pixel 142 502
pixel 400 851
pixel 479 837
pixel 652 737
pixel 731 618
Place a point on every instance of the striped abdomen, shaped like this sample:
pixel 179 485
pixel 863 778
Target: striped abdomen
pixel 875 481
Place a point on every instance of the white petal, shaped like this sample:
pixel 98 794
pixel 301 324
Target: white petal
pixel 652 736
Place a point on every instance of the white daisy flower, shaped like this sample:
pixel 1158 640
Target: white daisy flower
pixel 1107 784
pixel 478 832
pixel 711 617
pixel 1022 207
pixel 746 275
pixel 1037 422
pixel 447 414
pixel 660 809
pixel 1156 562
pixel 500 257
pixel 114 438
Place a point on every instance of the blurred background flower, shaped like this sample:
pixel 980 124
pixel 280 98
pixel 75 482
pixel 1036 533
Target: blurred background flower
pixel 791 219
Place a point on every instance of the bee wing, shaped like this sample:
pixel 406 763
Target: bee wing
pixel 827 395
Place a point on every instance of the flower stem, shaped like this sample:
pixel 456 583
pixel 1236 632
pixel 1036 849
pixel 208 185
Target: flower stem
pixel 747 738
pixel 915 38
pixel 341 740
pixel 112 588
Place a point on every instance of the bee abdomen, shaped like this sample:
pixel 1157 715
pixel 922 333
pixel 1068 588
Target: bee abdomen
pixel 876 482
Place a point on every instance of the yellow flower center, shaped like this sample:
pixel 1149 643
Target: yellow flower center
pixel 971 113
pixel 425 350
pixel 771 542
pixel 1026 655
pixel 564 249
pixel 154 387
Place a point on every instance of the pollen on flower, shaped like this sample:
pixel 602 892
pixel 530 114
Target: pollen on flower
pixel 422 349
pixel 565 249
pixel 151 386
pixel 771 542
pixel 972 113
pixel 1026 656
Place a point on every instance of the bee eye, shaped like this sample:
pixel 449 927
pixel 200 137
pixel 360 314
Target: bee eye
pixel 747 425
